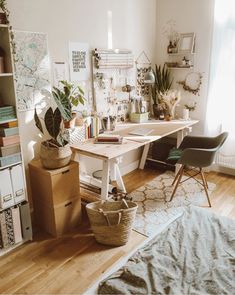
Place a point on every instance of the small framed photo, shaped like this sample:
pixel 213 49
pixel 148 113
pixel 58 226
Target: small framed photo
pixel 186 43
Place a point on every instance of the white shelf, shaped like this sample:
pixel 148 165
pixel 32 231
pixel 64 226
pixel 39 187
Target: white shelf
pixel 6 74
pixel 14 164
pixel 180 68
pixel 3 26
pixel 177 54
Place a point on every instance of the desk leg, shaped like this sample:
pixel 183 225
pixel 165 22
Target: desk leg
pixel 144 156
pixel 105 180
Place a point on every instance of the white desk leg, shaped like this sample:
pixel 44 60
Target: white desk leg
pixel 144 156
pixel 105 180
pixel 119 179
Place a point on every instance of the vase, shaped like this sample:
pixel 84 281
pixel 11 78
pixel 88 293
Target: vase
pixel 156 111
pixel 185 114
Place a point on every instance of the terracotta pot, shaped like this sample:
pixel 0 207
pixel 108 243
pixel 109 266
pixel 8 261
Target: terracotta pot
pixel 55 157
pixel 71 123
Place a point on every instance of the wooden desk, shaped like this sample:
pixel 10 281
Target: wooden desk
pixel 111 154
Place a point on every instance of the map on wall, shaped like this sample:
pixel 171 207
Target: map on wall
pixel 32 70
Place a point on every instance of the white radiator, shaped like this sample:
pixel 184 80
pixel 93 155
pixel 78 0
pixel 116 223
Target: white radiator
pixel 225 161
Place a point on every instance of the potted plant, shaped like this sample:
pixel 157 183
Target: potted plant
pixel 163 83
pixel 55 152
pixel 66 98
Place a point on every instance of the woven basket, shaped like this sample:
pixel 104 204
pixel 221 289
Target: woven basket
pixel 111 222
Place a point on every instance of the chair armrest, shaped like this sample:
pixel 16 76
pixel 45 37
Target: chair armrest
pixel 197 157
pixel 197 142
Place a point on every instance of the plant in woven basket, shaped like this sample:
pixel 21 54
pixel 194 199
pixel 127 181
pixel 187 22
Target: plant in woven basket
pixel 55 152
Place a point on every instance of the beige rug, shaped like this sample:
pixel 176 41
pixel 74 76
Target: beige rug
pixel 153 208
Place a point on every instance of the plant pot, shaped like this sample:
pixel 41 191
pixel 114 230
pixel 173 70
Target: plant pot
pixel 158 112
pixel 55 157
pixel 70 123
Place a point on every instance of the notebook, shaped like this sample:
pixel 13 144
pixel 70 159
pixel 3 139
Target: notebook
pixel 141 131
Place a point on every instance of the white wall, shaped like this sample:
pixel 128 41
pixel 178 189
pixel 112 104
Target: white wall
pixel 190 16
pixel 134 27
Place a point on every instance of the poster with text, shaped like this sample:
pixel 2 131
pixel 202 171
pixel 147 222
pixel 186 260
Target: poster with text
pixel 79 61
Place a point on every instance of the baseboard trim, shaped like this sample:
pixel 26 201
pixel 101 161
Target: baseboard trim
pixel 130 167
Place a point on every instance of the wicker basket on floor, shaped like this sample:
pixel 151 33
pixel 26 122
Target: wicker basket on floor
pixel 111 221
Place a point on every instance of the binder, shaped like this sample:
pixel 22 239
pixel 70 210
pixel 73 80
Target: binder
pixel 9 227
pixel 16 224
pixel 3 227
pixel 18 186
pixel 25 217
pixel 6 192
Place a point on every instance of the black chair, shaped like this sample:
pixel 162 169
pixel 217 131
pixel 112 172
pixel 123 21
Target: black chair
pixel 198 152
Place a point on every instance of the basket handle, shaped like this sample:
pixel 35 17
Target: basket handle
pixel 106 216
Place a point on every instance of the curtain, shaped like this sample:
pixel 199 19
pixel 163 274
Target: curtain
pixel 221 98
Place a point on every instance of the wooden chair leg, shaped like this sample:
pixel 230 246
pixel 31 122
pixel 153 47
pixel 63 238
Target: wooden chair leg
pixel 181 171
pixel 177 175
pixel 205 185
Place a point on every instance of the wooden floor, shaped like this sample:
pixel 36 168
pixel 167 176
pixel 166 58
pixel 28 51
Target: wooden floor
pixel 70 264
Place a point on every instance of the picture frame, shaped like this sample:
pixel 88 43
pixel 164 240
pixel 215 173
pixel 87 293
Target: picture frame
pixel 79 61
pixel 186 43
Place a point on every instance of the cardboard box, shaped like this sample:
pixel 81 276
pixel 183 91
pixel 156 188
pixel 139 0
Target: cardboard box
pixel 59 219
pixel 52 187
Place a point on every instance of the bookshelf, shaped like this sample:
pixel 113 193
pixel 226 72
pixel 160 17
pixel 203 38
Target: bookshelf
pixel 15 219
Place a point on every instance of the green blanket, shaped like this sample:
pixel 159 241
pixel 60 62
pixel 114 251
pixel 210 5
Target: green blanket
pixel 194 255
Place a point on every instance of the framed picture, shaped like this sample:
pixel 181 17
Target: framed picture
pixel 186 43
pixel 79 61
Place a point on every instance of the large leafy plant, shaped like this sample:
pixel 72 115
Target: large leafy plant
pixel 68 97
pixel 52 120
pixel 163 82
pixel 65 99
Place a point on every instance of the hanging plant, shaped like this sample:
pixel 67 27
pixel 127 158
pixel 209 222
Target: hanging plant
pixel 192 82
pixel 3 6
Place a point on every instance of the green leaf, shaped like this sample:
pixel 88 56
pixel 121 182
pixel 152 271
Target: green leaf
pixel 53 121
pixel 37 121
pixel 63 104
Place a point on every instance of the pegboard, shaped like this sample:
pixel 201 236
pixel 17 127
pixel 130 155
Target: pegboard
pixel 108 83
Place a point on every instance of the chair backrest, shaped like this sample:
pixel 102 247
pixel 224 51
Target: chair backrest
pixel 220 139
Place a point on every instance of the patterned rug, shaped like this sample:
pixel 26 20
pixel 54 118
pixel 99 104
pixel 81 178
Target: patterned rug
pixel 155 211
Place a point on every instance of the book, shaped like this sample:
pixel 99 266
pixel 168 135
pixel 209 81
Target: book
pixel 9 140
pixel 109 139
pixel 9 131
pixel 25 221
pixel 141 131
pixel 9 124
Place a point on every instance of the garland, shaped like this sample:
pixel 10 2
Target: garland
pixel 3 6
pixel 186 87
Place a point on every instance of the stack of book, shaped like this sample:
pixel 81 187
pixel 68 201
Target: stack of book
pixel 109 139
pixel 7 113
pixel 9 144
pixel 93 129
